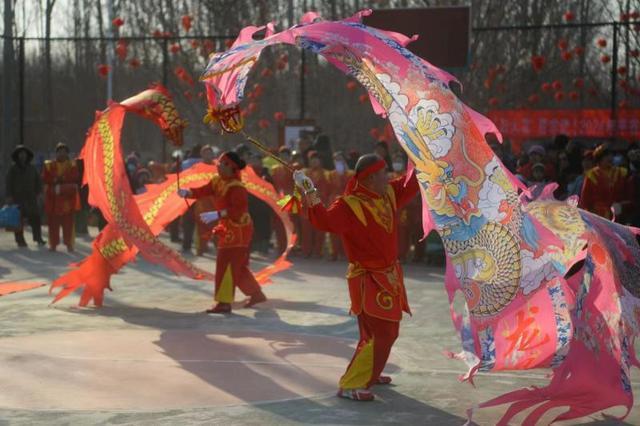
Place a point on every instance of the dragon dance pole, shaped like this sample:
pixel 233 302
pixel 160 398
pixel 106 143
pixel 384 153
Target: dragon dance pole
pixel 266 151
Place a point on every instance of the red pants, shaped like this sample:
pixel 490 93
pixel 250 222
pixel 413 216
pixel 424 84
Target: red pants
pixel 67 223
pixel 312 239
pixel 376 338
pixel 232 270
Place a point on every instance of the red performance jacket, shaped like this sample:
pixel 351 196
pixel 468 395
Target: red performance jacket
pixel 236 228
pixel 368 226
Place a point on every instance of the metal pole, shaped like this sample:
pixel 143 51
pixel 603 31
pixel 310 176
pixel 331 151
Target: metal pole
pixel 614 81
pixel 165 77
pixel 110 50
pixel 302 85
pixel 7 95
pixel 21 89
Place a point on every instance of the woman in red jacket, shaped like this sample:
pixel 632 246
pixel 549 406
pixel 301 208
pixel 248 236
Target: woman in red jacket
pixel 233 233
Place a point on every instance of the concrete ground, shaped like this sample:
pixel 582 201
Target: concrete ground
pixel 150 357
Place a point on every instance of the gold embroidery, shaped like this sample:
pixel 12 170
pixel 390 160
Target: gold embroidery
pixel 384 300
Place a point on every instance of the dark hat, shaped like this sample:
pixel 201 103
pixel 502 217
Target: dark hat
pixel 143 171
pixel 242 149
pixel 16 151
pixel 284 149
pixel 234 158
pixel 62 145
pixel 600 152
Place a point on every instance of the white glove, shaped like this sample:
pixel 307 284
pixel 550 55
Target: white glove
pixel 57 189
pixel 184 193
pixel 210 217
pixel 303 181
pixel 617 209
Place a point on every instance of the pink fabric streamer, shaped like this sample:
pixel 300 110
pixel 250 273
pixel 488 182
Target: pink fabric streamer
pixel 546 285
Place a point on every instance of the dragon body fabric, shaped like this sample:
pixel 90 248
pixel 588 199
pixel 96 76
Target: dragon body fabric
pixel 545 283
pixel 134 222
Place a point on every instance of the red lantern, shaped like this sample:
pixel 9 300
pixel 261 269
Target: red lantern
pixel 104 70
pixel 252 107
pixel 264 124
pixel 602 42
pixel 622 70
pixel 493 101
pixel 281 65
pixel 266 73
pixel 175 48
pixel 351 85
pixel 566 56
pixel 278 116
pixel 634 15
pixel 537 62
pixel 134 63
pixel 258 89
pixel 559 96
pixel 568 16
pixel 562 44
pixel 157 33
pixel 207 46
pixel 624 16
pixel 579 51
pixel 363 98
pixel 186 22
pixel 121 50
pixel 573 95
pixel 605 59
pixel 117 22
pixel 634 53
pixel 195 44
pixel 375 133
pixel 557 85
pixel 546 87
pixel 578 82
pixel 534 99
pixel 183 75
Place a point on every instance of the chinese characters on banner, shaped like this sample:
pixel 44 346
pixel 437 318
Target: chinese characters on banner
pixel 522 124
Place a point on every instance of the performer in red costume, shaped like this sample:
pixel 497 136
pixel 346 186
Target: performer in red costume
pixel 605 190
pixel 233 233
pixel 62 200
pixel 339 179
pixel 312 239
pixel 366 218
pixel 283 183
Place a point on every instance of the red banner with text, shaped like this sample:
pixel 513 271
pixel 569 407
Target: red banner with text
pixel 521 124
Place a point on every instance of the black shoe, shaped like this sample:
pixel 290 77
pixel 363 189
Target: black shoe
pixel 41 242
pixel 22 244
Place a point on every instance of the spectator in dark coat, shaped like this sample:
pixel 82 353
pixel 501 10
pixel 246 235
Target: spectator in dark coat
pixel 23 187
